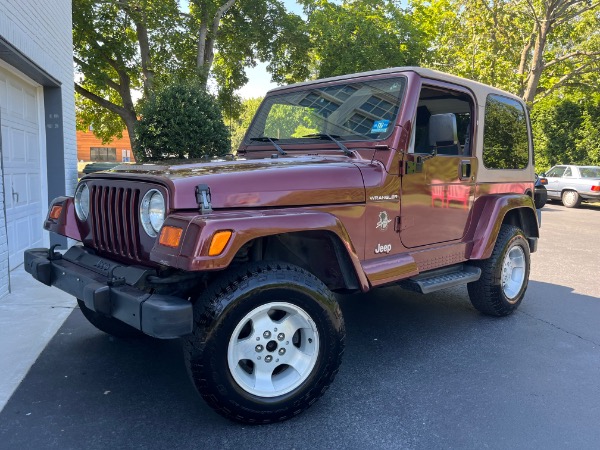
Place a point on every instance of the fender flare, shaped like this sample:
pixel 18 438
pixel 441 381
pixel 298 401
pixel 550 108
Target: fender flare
pixel 192 253
pixel 491 211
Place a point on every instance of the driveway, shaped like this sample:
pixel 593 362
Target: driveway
pixel 419 372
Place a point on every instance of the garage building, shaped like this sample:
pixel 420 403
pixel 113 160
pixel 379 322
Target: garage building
pixel 37 118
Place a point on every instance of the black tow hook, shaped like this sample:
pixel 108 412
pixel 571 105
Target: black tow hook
pixel 52 255
pixel 113 281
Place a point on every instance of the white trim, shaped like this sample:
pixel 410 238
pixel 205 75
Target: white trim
pixel 16 72
pixel 43 159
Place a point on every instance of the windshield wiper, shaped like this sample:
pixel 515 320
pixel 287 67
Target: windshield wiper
pixel 272 141
pixel 331 138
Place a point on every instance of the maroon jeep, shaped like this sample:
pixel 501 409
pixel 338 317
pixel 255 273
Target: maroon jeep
pixel 405 176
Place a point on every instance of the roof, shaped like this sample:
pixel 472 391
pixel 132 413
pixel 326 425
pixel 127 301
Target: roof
pixel 481 90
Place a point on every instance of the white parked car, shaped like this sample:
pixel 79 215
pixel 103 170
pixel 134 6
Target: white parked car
pixel 573 184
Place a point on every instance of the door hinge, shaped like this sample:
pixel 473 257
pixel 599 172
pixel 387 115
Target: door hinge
pixel 401 225
pixel 397 224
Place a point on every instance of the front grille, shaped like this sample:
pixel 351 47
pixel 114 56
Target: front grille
pixel 115 220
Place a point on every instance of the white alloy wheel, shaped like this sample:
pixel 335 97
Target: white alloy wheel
pixel 513 272
pixel 273 349
pixel 571 199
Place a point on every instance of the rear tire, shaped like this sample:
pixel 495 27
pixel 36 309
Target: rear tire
pixel 109 325
pixel 504 276
pixel 571 199
pixel 540 198
pixel 267 343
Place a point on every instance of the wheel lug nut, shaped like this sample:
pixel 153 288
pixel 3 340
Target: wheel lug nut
pixel 268 358
pixel 259 348
pixel 267 334
pixel 280 337
pixel 282 351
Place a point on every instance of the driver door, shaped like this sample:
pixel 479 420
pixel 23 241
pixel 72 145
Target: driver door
pixel 438 183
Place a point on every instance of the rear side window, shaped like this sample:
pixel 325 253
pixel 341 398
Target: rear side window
pixel 505 137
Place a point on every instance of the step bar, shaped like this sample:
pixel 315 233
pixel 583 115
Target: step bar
pixel 447 277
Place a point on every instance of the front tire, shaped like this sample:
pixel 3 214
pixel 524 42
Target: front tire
pixel 267 342
pixel 504 276
pixel 571 199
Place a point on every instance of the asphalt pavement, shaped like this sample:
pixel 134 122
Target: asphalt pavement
pixel 419 372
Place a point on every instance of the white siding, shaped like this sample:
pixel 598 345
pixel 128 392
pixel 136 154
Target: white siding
pixel 42 31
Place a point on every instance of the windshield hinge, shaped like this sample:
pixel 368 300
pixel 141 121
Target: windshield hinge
pixel 203 198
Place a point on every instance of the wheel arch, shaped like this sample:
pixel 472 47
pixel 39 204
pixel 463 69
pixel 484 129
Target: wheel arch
pixel 320 252
pixel 494 211
pixel 314 240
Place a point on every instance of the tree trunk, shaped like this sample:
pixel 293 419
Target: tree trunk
pixel 206 41
pixel 130 123
pixel 537 67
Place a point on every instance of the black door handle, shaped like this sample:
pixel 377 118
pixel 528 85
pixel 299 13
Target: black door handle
pixel 465 170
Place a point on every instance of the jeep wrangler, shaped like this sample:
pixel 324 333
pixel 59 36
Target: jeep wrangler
pixel 400 176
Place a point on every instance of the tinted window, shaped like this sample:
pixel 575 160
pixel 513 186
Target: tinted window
pixel 505 138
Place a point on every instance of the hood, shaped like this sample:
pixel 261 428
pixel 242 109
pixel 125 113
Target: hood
pixel 296 181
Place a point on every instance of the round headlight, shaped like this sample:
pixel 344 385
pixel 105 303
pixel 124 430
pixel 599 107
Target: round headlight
pixel 82 202
pixel 152 212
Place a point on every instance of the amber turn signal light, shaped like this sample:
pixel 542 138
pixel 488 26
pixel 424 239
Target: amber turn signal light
pixel 170 236
pixel 55 212
pixel 218 243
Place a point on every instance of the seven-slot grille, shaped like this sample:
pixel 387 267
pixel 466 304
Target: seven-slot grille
pixel 115 220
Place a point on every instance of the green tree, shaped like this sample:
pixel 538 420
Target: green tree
pixel 556 124
pixel 241 124
pixel 180 121
pixel 529 47
pixel 588 136
pixel 359 35
pixel 566 130
pixel 124 47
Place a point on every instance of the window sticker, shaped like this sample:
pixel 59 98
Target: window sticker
pixel 380 126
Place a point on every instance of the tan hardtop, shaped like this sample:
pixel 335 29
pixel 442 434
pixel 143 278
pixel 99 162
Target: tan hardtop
pixel 479 89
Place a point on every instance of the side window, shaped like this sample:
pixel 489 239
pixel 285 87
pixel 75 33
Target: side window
pixel 568 173
pixel 442 123
pixel 505 137
pixel 556 172
pixel 103 154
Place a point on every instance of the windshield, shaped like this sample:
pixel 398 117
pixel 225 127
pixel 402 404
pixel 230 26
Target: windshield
pixel 590 172
pixel 348 111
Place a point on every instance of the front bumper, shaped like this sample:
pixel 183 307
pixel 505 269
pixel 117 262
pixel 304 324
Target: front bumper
pixel 109 288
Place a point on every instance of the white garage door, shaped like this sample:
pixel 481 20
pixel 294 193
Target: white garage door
pixel 21 156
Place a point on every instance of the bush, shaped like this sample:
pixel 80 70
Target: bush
pixel 180 121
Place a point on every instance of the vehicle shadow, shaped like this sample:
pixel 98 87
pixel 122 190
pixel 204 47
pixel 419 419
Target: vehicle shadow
pixel 416 369
pixel 556 203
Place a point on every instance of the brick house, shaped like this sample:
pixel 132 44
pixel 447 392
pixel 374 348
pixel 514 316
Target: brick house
pixel 37 117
